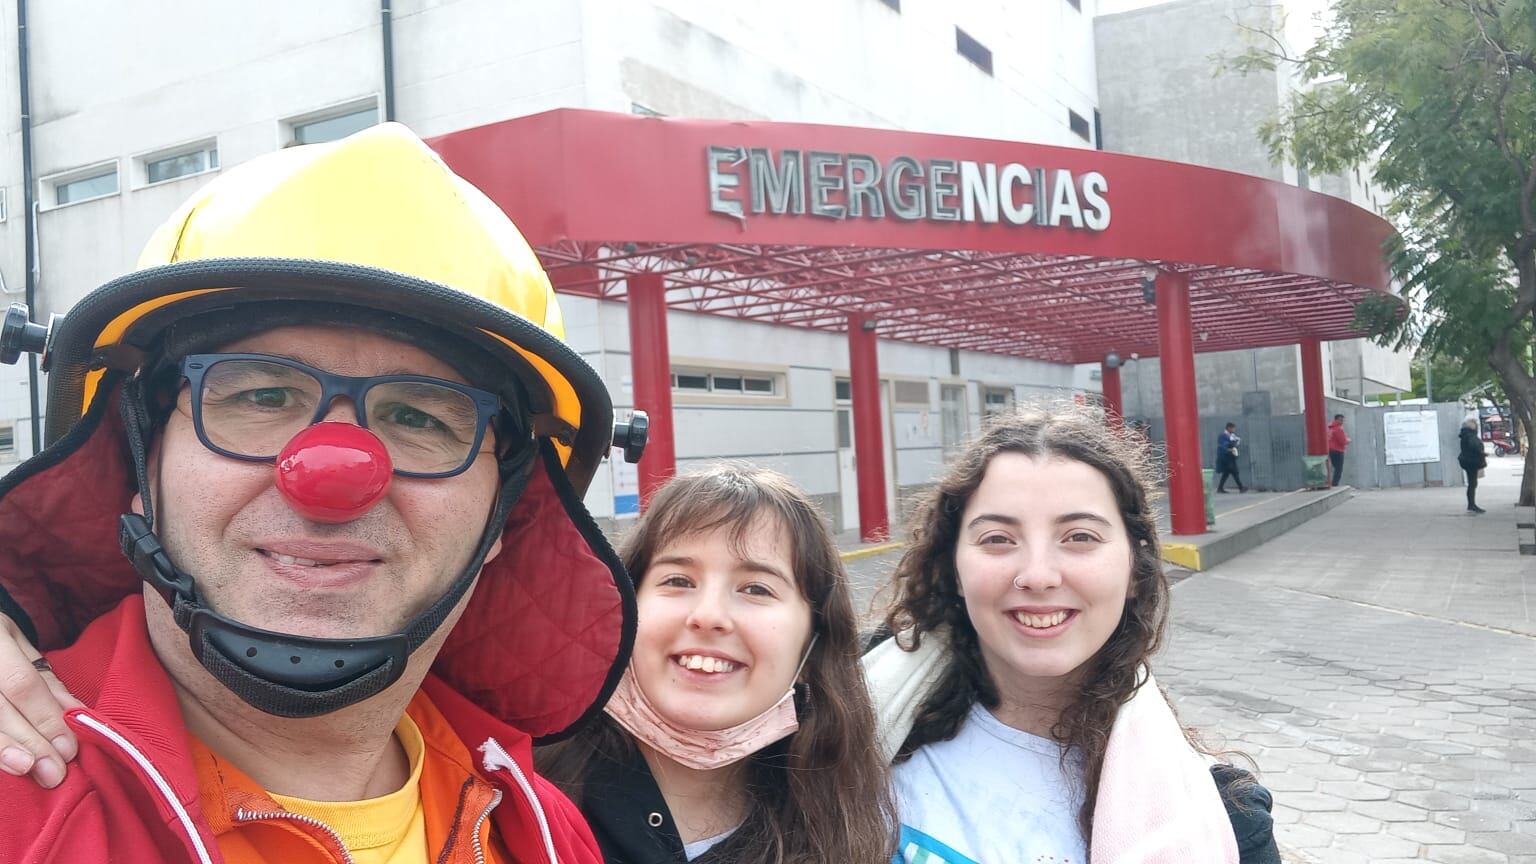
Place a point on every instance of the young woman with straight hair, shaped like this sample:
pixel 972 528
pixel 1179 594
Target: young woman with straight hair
pixel 743 731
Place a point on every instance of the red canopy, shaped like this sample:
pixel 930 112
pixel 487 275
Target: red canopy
pixel 999 246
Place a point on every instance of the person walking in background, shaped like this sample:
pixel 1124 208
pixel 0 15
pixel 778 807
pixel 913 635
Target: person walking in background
pixel 1337 441
pixel 1472 460
pixel 1226 458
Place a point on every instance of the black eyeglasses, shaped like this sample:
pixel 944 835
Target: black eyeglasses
pixel 248 406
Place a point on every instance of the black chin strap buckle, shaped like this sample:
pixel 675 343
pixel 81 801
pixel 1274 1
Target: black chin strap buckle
pixel 151 561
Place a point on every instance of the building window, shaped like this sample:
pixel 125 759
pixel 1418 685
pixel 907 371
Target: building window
pixel 952 416
pixel 973 51
pixel 698 383
pixel 85 184
pixel 843 390
pixel 910 393
pixel 181 162
pixel 3 207
pixel 728 383
pixel 996 400
pixel 333 124
pixel 1079 125
pixel 894 4
pixel 7 441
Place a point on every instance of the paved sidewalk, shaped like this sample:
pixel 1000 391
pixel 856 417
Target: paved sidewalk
pixel 1379 664
pixel 1415 550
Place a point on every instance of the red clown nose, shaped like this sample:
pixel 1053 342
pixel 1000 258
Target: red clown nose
pixel 333 472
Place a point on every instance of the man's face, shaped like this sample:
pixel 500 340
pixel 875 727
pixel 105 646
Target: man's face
pixel 260 563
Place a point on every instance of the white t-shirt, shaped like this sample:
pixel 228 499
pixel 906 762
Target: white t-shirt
pixel 702 845
pixel 990 795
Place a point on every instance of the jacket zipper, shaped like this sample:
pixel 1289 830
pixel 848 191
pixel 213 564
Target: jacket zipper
pixel 244 815
pixel 484 814
pixel 161 784
pixel 497 758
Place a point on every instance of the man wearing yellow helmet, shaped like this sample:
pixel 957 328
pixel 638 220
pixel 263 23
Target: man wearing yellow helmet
pixel 307 540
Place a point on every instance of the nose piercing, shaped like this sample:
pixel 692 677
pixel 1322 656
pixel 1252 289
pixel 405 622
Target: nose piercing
pixel 1018 582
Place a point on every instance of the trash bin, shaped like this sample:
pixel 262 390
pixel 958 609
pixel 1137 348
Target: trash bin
pixel 1314 472
pixel 1209 475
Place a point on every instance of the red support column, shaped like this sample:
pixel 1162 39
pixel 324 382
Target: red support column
pixel 868 448
pixel 1181 413
pixel 650 365
pixel 1114 402
pixel 1312 397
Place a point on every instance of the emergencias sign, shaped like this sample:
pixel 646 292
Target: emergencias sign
pixel 746 181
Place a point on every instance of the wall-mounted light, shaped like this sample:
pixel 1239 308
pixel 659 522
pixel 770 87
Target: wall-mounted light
pixel 1204 335
pixel 1149 284
pixel 1112 361
pixel 868 325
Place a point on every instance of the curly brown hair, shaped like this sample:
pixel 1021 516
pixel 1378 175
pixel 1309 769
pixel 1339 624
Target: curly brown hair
pixel 823 794
pixel 926 597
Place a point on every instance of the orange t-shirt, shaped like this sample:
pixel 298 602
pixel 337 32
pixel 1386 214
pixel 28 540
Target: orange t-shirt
pixel 409 826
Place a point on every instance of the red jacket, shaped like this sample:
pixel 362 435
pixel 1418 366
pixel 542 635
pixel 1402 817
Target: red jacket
pixel 538 649
pixel 132 794
pixel 1337 440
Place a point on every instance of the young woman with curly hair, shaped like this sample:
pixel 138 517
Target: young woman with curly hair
pixel 1015 697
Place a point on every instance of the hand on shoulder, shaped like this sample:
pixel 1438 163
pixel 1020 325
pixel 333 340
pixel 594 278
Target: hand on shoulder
pixel 34 739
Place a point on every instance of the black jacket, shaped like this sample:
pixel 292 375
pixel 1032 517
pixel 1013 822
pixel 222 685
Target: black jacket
pixel 1248 806
pixel 1471 456
pixel 633 825
pixel 628 816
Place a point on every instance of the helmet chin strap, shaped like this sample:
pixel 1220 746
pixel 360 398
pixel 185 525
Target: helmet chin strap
pixel 280 673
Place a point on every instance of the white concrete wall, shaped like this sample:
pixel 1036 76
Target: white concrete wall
pixel 15 411
pixel 1356 366
pixel 157 74
pixel 854 62
pixel 797 432
pixel 465 63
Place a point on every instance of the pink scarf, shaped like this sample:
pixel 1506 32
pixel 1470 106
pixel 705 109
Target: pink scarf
pixel 1157 803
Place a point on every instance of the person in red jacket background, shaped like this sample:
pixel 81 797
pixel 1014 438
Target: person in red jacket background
pixel 307 538
pixel 1337 441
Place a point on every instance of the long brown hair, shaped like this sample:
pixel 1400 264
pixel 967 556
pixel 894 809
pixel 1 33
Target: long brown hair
pixel 823 794
pixel 926 595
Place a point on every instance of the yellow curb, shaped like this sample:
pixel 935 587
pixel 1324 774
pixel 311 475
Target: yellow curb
pixel 1185 555
pixel 867 551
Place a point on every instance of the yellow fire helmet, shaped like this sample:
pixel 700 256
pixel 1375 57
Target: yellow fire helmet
pixel 375 220
pixel 372 231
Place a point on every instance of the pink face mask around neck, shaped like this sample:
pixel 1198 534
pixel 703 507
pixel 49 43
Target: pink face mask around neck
pixel 696 748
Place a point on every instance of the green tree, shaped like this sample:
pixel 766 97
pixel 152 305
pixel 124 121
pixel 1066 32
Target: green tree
pixel 1440 96
pixel 1452 378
